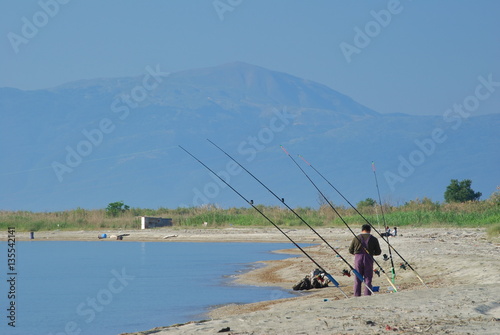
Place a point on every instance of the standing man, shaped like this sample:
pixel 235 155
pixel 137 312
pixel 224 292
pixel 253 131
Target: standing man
pixel 364 247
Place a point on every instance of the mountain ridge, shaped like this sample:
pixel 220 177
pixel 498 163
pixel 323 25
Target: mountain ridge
pixel 249 110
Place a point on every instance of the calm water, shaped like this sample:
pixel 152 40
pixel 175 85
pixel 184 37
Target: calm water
pixel 110 287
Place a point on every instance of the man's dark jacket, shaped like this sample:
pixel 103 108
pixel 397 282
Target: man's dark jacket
pixel 373 245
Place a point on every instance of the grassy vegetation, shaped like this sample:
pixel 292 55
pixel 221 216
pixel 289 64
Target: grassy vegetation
pixel 416 213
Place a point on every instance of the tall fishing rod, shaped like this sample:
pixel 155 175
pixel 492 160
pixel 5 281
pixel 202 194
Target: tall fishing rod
pixel 390 245
pixel 329 276
pixel 393 269
pixel 341 218
pixel 360 277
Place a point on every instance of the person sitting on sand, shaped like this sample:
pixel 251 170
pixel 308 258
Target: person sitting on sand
pixel 387 232
pixel 364 247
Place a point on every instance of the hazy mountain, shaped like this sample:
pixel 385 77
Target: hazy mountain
pixel 91 142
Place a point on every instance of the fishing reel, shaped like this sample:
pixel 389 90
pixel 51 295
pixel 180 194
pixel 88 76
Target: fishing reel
pixel 346 272
pixel 402 266
pixel 386 258
pixel 377 272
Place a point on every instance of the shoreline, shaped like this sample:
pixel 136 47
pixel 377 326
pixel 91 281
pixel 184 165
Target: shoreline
pixel 172 234
pixel 460 266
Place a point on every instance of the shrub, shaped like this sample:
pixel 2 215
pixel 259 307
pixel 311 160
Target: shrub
pixel 116 208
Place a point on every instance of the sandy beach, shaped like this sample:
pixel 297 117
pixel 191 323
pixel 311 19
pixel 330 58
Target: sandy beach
pixel 460 267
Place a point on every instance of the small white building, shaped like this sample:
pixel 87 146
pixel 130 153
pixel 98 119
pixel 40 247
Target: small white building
pixel 152 222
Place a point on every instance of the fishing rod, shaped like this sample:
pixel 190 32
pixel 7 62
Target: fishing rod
pixel 390 245
pixel 341 218
pixel 393 269
pixel 329 276
pixel 358 275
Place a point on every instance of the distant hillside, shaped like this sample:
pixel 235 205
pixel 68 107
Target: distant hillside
pixel 92 142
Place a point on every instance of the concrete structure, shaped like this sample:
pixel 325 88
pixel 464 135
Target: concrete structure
pixel 151 222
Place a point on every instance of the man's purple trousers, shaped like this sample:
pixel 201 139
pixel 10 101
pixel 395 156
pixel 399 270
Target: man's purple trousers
pixel 364 264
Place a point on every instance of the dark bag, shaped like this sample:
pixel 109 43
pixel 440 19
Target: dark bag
pixel 303 284
pixel 319 279
pixel 316 279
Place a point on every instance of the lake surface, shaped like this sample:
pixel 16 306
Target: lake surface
pixel 111 287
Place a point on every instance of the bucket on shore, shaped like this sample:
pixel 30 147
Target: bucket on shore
pixel 101 236
pixel 376 288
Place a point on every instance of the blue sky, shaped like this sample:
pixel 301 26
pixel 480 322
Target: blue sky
pixel 422 58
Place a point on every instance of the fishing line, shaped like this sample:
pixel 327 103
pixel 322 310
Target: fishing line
pixel 393 269
pixel 340 216
pixel 358 275
pixel 368 222
pixel 329 276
